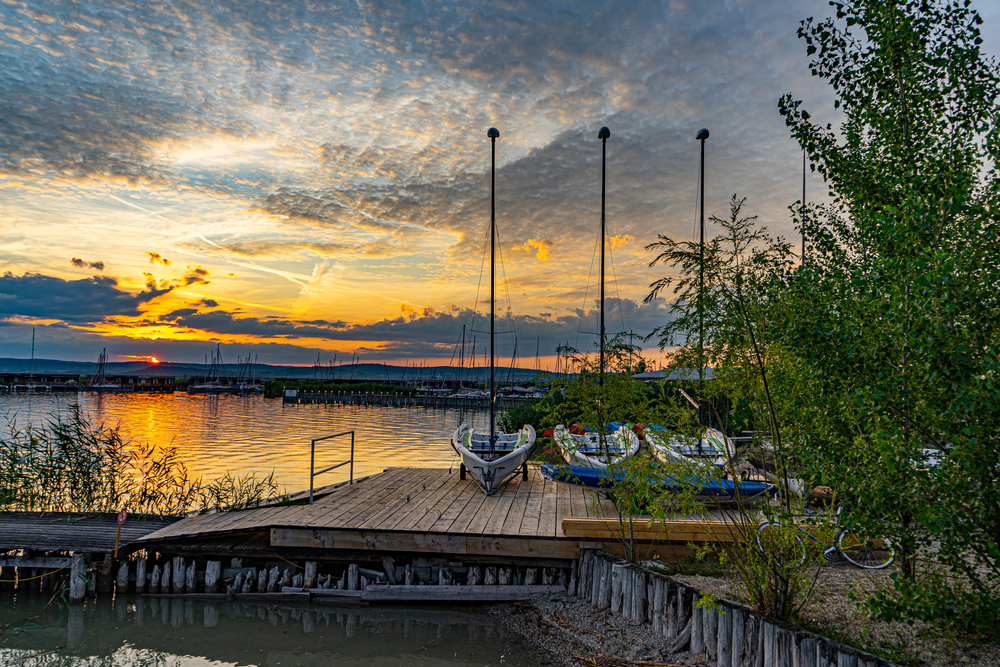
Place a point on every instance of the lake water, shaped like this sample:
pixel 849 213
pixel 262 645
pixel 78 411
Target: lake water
pixel 141 632
pixel 254 434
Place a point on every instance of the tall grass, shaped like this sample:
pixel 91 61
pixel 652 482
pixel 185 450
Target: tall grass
pixel 73 465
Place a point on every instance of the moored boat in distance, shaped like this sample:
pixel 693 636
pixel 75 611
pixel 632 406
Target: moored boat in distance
pixel 99 382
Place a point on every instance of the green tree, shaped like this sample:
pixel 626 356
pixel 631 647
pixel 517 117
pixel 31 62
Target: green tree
pixel 890 330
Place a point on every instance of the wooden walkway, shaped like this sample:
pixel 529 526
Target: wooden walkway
pixel 66 531
pixel 414 510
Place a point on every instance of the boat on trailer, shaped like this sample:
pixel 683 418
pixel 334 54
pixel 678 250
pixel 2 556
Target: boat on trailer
pixel 493 458
pixel 588 449
pixel 494 464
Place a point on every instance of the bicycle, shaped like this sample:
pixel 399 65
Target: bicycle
pixel 868 554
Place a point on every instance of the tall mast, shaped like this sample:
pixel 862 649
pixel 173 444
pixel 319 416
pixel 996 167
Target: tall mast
pixel 493 134
pixel 603 134
pixel 31 372
pixel 803 214
pixel 701 136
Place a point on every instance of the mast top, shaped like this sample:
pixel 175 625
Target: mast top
pixel 493 133
pixel 702 134
pixel 605 133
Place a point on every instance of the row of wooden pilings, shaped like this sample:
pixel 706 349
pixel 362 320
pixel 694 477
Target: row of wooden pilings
pixel 398 400
pixel 726 634
pixel 178 576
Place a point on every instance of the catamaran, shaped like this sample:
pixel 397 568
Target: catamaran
pixel 493 458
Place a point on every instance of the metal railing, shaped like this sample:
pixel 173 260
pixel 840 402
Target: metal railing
pixel 312 461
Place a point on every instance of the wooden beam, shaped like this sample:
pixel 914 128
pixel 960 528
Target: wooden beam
pixel 673 531
pixel 456 593
pixel 438 543
pixel 46 562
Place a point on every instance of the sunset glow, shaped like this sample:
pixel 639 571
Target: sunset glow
pixel 291 178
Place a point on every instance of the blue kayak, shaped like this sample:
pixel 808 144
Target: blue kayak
pixel 601 479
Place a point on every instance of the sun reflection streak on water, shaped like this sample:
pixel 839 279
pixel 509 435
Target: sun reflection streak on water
pixel 216 434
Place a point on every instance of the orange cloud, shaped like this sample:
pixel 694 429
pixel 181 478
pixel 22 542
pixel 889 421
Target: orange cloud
pixel 619 241
pixel 540 247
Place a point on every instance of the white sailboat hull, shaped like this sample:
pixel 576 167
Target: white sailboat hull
pixel 586 450
pixel 510 452
pixel 715 448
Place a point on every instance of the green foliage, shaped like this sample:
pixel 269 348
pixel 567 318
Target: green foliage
pixel 75 466
pixel 889 334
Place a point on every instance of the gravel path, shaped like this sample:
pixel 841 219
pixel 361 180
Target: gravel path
pixel 561 626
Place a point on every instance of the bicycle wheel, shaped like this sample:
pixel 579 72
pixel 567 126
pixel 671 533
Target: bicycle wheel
pixel 869 554
pixel 781 543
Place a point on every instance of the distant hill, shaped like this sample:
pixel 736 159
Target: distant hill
pixel 361 371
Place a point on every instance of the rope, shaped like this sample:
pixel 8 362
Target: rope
pixel 12 581
pixel 288 561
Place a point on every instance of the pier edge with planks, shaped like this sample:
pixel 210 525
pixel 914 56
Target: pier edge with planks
pixel 403 527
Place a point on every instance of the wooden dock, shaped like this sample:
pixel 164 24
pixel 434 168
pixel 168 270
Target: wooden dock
pixel 414 511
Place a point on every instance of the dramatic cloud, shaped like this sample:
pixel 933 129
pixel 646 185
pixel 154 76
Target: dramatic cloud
pixel 156 258
pixel 83 301
pixel 79 263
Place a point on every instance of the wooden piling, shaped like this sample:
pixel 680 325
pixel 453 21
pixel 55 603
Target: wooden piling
pixel 191 578
pixel 177 575
pixel 408 577
pixel 574 573
pixel 505 575
pixel 77 578
pixel 140 575
pixel 530 576
pixel 309 578
pixel 770 632
pixel 213 573
pixel 617 574
pixel 262 578
pixel 724 636
pixel 490 577
pixel 697 630
pixel 807 648
pixel 474 575
pixel 752 654
pixel 710 631
pixel 738 635
pixel 154 580
pixel 353 578
pixel 842 656
pixel 121 580
pixel 638 611
pixel 658 598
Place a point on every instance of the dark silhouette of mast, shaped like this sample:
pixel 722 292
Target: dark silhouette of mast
pixel 701 136
pixel 493 134
pixel 603 134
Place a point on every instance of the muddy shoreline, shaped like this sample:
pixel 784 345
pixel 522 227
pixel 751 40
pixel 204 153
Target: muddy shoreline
pixel 559 626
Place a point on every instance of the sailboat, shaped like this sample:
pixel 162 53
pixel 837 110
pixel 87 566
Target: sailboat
pixel 592 449
pixel 493 458
pixel 99 382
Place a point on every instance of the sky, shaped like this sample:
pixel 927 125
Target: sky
pixel 289 178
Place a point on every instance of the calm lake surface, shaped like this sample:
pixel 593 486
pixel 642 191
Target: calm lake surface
pixel 140 632
pixel 242 434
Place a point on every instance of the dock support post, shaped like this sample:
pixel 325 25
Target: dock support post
pixel 490 577
pixel 408 575
pixel 140 576
pixel 213 570
pixel 474 573
pixel 154 582
pixel 77 578
pixel 104 580
pixel 309 580
pixel 191 578
pixel 352 577
pixel 505 575
pixel 177 574
pixel 738 634
pixel 658 595
pixel 710 617
pixel 530 575
pixel 121 581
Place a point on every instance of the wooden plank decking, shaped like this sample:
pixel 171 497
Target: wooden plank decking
pixel 69 531
pixel 413 510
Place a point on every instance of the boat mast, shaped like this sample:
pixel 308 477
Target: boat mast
pixel 493 134
pixel 702 136
pixel 603 134
pixel 31 372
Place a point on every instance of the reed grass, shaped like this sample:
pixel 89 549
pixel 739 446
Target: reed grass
pixel 74 465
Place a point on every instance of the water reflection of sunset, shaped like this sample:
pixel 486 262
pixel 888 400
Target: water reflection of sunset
pixel 219 434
